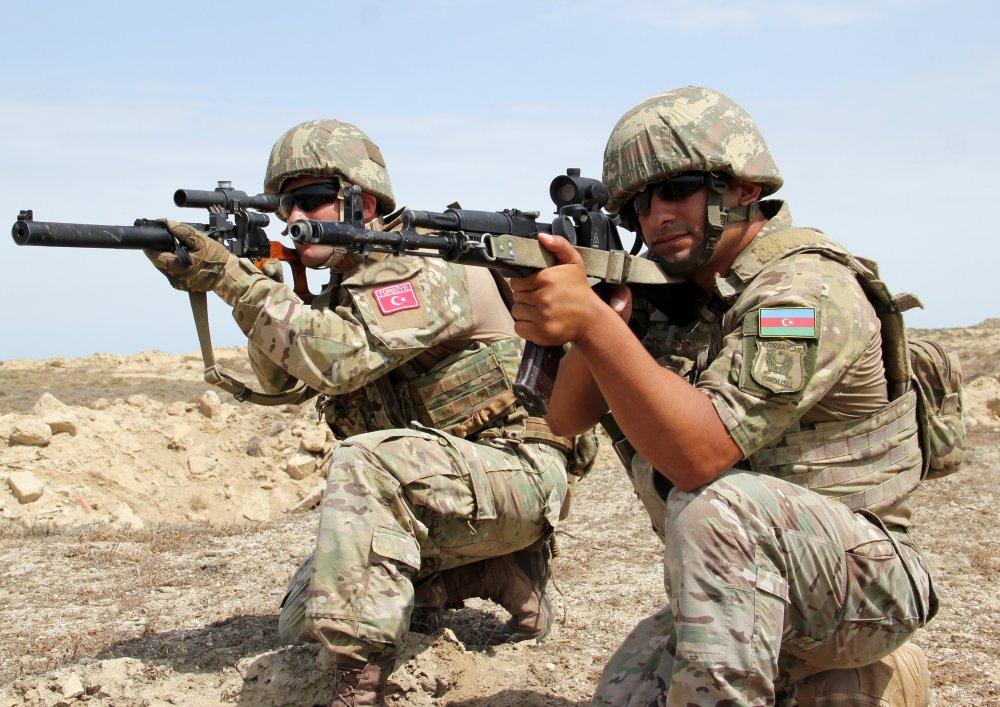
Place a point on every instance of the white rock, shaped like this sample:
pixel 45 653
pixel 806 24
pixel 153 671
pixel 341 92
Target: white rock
pixel 300 466
pixel 126 517
pixel 310 500
pixel 70 686
pixel 139 401
pixel 31 432
pixel 180 437
pixel 47 403
pixel 25 486
pixel 56 414
pixel 314 440
pixel 199 465
pixel 209 404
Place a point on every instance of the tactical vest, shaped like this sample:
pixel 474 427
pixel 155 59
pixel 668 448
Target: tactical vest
pixel 467 393
pixel 869 464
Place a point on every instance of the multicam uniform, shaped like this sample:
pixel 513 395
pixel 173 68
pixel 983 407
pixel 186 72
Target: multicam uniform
pixel 798 560
pixel 404 339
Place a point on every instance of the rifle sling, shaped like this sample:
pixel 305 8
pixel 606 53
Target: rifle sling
pixel 221 378
pixel 614 266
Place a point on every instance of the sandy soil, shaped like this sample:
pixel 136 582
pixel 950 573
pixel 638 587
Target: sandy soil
pixel 149 569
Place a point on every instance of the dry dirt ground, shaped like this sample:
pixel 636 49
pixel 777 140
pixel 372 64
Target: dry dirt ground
pixel 148 530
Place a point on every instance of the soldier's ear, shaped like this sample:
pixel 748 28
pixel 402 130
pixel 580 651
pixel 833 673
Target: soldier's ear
pixel 746 192
pixel 370 206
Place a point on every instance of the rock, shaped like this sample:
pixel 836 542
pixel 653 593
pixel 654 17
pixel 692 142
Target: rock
pixel 70 686
pixel 57 415
pixel 125 517
pixel 47 403
pixel 138 400
pixel 300 466
pixel 200 465
pixel 310 500
pixel 314 440
pixel 25 486
pixel 209 404
pixel 31 432
pixel 180 437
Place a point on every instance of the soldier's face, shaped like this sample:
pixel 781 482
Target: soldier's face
pixel 312 255
pixel 674 229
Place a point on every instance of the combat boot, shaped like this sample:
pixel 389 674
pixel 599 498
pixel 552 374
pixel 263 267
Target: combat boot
pixel 357 684
pixel 517 582
pixel 901 679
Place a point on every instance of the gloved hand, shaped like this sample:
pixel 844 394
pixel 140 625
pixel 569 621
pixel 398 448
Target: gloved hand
pixel 272 268
pixel 209 260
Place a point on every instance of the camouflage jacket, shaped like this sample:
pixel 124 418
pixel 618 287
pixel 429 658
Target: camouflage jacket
pixel 394 340
pixel 808 405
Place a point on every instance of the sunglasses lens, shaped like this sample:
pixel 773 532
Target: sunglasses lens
pixel 680 187
pixel 308 198
pixel 673 189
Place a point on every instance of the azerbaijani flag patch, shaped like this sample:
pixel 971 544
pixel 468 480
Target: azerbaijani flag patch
pixel 790 323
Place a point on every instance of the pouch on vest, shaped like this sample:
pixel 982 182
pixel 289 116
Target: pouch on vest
pixel 937 378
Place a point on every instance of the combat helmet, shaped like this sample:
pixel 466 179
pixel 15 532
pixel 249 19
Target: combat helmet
pixel 330 148
pixel 689 129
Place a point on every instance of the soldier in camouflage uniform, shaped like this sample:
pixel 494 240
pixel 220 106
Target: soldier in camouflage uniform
pixel 774 451
pixel 442 487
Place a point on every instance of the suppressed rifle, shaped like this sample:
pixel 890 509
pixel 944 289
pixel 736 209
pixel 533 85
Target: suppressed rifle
pixel 236 219
pixel 506 241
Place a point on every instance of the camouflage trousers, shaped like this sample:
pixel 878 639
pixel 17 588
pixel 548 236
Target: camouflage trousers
pixel 768 583
pixel 401 505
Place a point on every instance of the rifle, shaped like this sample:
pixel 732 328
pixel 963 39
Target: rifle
pixel 505 241
pixel 230 222
pixel 235 219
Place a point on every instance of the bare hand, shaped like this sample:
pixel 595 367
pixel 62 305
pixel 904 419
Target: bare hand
pixel 555 305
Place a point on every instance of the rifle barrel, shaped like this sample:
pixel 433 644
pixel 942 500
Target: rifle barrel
pixel 145 236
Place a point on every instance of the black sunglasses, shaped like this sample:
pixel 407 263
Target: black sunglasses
pixel 308 198
pixel 672 189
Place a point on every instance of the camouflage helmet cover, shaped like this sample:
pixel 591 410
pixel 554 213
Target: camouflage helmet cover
pixel 330 148
pixel 686 129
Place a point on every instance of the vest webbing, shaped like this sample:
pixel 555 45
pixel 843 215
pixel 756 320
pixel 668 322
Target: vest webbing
pixel 853 453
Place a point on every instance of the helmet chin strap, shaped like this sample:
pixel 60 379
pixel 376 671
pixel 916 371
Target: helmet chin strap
pixel 717 217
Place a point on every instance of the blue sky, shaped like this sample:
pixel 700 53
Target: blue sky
pixel 879 114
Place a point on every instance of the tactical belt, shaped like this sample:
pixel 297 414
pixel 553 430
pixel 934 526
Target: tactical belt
pixel 529 429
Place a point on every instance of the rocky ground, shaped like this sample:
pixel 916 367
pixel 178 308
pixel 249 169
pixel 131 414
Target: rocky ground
pixel 148 529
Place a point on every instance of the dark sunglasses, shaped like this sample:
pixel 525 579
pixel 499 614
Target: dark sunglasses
pixel 673 189
pixel 308 198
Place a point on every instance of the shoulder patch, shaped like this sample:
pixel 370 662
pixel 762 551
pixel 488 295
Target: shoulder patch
pixel 779 366
pixel 397 297
pixel 787 323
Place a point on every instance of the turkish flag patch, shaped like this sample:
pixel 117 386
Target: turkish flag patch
pixel 396 298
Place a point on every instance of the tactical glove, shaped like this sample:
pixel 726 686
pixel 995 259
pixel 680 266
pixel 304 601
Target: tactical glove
pixel 272 268
pixel 209 260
